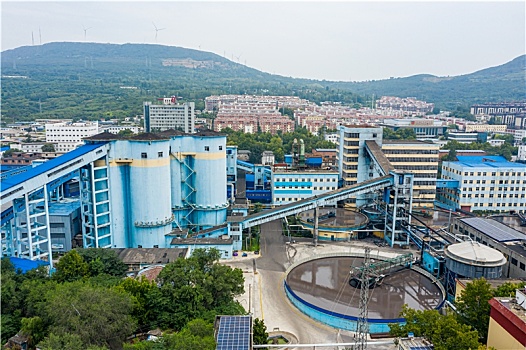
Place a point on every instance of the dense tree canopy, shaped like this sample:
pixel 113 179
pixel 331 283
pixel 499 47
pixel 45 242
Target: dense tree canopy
pixel 280 144
pixel 87 304
pixel 400 134
pixel 444 331
pixel 506 150
pixel 197 287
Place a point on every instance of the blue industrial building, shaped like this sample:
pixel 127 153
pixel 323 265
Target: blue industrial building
pixel 482 183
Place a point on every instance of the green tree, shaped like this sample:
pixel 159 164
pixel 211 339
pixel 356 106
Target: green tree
pixel 125 133
pixel 196 287
pixel 473 306
pixel 48 147
pixel 508 289
pixel 71 267
pixel 66 341
pixel 10 152
pixel 101 260
pixel 259 330
pixel 34 328
pixel 145 295
pixel 99 316
pixel 197 334
pixel 444 331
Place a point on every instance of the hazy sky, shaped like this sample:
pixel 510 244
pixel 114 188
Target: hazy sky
pixel 345 40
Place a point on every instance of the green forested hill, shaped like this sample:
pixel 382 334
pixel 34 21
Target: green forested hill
pixel 85 80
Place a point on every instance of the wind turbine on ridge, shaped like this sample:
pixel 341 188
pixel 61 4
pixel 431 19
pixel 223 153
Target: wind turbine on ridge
pixel 157 30
pixel 85 31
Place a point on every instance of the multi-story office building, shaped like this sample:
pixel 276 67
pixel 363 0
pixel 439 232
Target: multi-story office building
pixel 467 137
pixel 68 136
pixel 169 115
pixel 518 136
pixel 352 164
pixel 115 129
pixel 423 128
pixel 521 155
pixel 419 158
pixel 292 186
pixel 485 183
pixel 498 128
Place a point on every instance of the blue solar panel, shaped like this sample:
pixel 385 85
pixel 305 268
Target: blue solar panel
pixel 234 333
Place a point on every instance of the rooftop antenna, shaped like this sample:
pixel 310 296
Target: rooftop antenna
pixel 85 31
pixel 157 30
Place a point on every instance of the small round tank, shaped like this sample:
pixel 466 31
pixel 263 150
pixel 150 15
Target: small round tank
pixel 474 260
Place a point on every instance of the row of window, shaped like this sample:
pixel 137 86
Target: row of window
pixel 315 188
pixel 501 182
pixel 413 160
pixel 284 179
pixel 481 195
pixel 499 189
pixel 504 205
pixel 396 151
pixel 484 173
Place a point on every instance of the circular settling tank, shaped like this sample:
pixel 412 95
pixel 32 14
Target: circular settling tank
pixel 334 223
pixel 320 289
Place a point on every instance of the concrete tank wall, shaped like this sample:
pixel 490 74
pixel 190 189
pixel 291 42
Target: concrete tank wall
pixel 201 182
pixel 151 209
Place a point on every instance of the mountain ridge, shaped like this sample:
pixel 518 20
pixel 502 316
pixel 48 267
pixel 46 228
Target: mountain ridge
pixel 79 69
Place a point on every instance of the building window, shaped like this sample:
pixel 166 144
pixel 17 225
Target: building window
pixel 220 148
pixel 207 148
pixel 159 154
pixel 144 155
pixel 514 261
pixel 522 266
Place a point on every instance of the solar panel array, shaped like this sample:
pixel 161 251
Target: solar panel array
pixel 494 229
pixel 234 333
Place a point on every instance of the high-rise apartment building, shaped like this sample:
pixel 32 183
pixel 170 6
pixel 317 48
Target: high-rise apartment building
pixel 169 115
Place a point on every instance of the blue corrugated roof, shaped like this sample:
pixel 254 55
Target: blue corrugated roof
pixel 49 165
pixel 63 208
pixel 26 264
pixel 488 161
pixel 5 148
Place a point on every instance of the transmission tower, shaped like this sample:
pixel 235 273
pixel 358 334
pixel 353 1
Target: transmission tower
pixel 362 326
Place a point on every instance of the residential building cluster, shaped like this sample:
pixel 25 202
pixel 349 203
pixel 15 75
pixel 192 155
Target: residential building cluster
pixel 409 106
pixel 512 114
pixel 251 114
pixel 213 103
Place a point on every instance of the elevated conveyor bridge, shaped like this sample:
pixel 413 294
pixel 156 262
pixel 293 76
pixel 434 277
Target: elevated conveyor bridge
pixel 330 198
pixel 25 201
